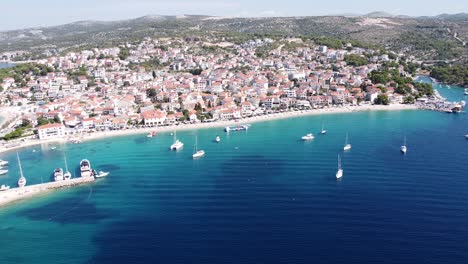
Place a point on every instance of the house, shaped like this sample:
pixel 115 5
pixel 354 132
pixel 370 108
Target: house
pixel 153 118
pixel 51 131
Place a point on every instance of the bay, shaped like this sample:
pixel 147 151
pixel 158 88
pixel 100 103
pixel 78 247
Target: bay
pixel 258 196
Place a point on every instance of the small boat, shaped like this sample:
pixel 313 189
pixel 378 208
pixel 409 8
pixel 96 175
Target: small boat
pixel 151 134
pixel 308 137
pixel 466 136
pixel 101 174
pixel 339 172
pixel 4 187
pixel 3 163
pixel 347 145
pixel 403 148
pixel 58 174
pixel 217 139
pixel 53 148
pixel 466 91
pixel 197 153
pixel 3 172
pixel 177 143
pixel 22 179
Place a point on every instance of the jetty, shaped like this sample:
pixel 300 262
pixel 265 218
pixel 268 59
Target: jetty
pixel 20 193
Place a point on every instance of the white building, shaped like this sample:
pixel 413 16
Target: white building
pixel 51 131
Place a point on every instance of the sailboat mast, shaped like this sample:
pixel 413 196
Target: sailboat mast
pixel 19 164
pixel 66 165
pixel 339 162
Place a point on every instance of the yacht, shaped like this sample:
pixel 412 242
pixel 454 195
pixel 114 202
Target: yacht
pixel 177 143
pixel 347 146
pixel 404 148
pixel 197 153
pixel 217 139
pixel 22 179
pixel 67 175
pixel 339 173
pixel 58 174
pixel 101 174
pixel 85 168
pixel 3 162
pixel 4 187
pixel 308 137
pixel 3 172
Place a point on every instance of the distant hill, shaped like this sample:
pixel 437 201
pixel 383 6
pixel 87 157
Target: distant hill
pixel 427 38
pixel 378 14
pixel 459 16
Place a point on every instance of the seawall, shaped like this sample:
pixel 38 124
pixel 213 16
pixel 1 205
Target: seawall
pixel 16 194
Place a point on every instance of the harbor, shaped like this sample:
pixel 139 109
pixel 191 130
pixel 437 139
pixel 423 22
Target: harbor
pixel 16 194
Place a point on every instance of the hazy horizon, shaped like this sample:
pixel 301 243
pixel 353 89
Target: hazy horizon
pixel 28 13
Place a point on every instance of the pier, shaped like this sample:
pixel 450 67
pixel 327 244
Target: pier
pixel 16 194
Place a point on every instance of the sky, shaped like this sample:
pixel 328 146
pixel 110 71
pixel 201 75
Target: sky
pixel 18 14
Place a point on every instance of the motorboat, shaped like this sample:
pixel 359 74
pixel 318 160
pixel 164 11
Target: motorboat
pixel 308 137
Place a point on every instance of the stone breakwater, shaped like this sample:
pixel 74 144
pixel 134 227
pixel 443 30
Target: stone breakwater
pixel 16 194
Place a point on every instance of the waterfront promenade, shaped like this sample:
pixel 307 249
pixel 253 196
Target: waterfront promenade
pixel 16 194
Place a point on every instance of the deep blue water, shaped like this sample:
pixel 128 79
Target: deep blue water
pixel 260 196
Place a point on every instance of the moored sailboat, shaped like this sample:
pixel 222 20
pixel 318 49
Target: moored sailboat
pixel 197 153
pixel 347 146
pixel 22 179
pixel 339 172
pixel 177 143
pixel 403 148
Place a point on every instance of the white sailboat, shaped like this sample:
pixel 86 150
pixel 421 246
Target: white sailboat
pixel 22 179
pixel 3 162
pixel 177 143
pixel 3 172
pixel 403 148
pixel 67 174
pixel 347 146
pixel 339 172
pixel 323 132
pixel 197 153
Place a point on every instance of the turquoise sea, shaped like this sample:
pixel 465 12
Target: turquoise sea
pixel 260 196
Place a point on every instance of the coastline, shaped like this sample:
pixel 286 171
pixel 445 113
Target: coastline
pixel 22 143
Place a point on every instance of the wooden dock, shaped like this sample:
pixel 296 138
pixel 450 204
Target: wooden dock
pixel 15 194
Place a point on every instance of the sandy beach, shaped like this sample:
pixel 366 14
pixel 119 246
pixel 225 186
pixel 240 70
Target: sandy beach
pixel 115 133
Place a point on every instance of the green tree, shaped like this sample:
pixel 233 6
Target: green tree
pixel 382 99
pixel 151 93
pixel 124 53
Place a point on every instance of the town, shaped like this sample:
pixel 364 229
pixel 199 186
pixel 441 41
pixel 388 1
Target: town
pixel 164 82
